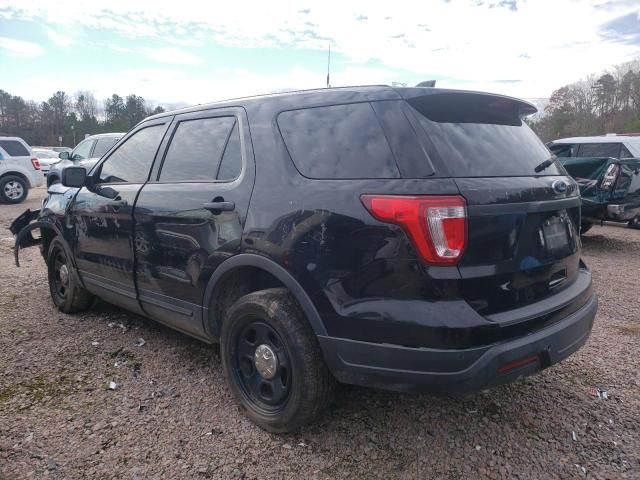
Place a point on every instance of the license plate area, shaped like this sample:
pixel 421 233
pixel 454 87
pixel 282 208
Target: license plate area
pixel 556 236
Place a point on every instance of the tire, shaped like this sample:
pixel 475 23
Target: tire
pixel 13 189
pixel 67 294
pixel 635 223
pixel 285 394
pixel 585 227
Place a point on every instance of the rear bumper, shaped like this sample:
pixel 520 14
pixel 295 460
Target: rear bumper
pixel 401 368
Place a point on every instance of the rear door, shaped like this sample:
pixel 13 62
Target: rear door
pixel 523 242
pixel 189 217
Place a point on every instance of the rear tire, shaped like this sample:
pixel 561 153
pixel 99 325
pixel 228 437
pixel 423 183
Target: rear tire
pixel 13 189
pixel 272 361
pixel 66 292
pixel 635 223
pixel 585 227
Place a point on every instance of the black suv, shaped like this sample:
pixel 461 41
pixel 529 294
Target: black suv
pixel 401 238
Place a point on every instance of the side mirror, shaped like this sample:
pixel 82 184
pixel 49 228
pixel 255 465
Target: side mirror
pixel 63 155
pixel 74 177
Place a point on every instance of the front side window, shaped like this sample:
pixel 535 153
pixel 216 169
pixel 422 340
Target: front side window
pixel 83 150
pixel 131 161
pixel 197 149
pixel 600 150
pixel 14 148
pixel 103 145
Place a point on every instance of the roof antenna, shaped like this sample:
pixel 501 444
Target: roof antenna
pixel 329 65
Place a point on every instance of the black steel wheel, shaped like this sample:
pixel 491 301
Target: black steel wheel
pixel 262 367
pixel 66 292
pixel 272 361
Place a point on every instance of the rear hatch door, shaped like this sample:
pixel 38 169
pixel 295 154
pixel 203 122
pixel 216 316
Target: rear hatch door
pixel 523 243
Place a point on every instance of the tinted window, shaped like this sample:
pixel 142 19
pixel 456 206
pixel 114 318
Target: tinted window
pixel 341 141
pixel 481 136
pixel 83 150
pixel 14 148
pixel 600 150
pixel 196 149
pixel 231 164
pixel 564 150
pixel 132 160
pixel 624 153
pixel 102 146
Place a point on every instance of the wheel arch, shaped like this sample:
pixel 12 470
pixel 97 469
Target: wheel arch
pixel 249 264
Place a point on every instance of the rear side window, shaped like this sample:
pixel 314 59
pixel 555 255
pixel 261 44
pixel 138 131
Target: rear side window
pixel 102 146
pixel 131 161
pixel 600 150
pixel 198 148
pixel 337 142
pixel 481 136
pixel 624 153
pixel 14 148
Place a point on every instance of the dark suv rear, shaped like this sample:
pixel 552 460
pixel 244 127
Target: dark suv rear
pixel 410 239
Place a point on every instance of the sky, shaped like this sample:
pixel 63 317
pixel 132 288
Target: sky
pixel 184 52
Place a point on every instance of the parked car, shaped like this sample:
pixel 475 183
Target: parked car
pixel 19 170
pixel 386 237
pixel 86 154
pixel 610 145
pixel 610 189
pixel 46 158
pixel 55 149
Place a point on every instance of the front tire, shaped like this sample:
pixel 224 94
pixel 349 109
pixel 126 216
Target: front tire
pixel 635 223
pixel 272 361
pixel 585 227
pixel 66 292
pixel 13 189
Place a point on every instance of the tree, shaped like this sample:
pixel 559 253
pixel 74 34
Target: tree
pixel 86 105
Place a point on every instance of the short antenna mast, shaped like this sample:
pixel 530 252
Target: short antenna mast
pixel 329 66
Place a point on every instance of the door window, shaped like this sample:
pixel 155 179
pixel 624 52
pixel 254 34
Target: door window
pixel 600 150
pixel 83 150
pixel 199 148
pixel 625 153
pixel 131 161
pixel 103 145
pixel 14 148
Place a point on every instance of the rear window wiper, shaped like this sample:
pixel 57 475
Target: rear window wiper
pixel 546 164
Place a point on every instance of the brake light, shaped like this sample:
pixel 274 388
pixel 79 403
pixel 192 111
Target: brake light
pixel 436 225
pixel 610 176
pixel 36 163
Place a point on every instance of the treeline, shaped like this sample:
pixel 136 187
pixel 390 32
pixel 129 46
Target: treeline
pixel 69 117
pixel 596 105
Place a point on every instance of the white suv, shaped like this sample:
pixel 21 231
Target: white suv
pixel 19 170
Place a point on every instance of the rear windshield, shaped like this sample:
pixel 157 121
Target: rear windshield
pixel 481 136
pixel 14 148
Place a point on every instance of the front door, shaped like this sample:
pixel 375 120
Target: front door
pixel 103 217
pixel 190 218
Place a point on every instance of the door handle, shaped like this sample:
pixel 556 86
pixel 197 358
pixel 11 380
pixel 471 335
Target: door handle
pixel 118 204
pixel 220 206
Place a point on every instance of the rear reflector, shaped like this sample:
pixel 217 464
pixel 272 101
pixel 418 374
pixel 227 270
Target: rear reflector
pixel 436 225
pixel 521 362
pixel 36 163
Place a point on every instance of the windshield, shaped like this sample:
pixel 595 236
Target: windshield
pixel 482 136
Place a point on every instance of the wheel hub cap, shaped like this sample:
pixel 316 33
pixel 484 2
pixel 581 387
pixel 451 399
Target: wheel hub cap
pixel 13 190
pixel 266 361
pixel 64 274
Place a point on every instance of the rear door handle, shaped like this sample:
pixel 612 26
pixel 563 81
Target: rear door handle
pixel 220 206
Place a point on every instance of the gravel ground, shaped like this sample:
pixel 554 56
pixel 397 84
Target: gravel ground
pixel 171 415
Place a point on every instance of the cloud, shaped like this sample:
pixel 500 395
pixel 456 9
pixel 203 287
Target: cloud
pixel 60 39
pixel 623 29
pixel 20 48
pixel 468 43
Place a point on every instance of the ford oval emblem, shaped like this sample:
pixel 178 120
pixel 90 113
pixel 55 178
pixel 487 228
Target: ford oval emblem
pixel 559 186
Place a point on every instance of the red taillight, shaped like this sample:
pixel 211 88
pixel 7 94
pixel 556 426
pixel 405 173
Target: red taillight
pixel 521 362
pixel 36 163
pixel 437 225
pixel 610 176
